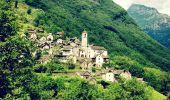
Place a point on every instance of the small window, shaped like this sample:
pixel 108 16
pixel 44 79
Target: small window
pixel 85 35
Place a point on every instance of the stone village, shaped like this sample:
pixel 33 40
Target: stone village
pixel 82 53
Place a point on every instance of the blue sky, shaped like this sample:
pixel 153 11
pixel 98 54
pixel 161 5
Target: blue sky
pixel 163 6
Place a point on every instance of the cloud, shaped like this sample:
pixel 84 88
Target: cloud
pixel 162 6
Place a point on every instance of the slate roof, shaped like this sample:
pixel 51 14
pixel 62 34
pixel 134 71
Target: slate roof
pixel 85 73
pixel 97 48
pixel 113 71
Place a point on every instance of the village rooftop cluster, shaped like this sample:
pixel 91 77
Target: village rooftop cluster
pixel 82 53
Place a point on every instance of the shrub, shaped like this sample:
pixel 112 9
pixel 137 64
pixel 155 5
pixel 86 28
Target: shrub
pixel 29 11
pixel 40 69
pixel 71 66
pixel 93 69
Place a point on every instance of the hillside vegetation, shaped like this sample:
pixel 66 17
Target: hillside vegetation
pixel 108 25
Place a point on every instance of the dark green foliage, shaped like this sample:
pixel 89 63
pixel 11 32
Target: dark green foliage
pixel 40 69
pixel 14 59
pixel 4 83
pixel 36 3
pixel 29 11
pixel 104 83
pixel 16 3
pixel 93 69
pixel 7 21
pixel 71 66
pixel 15 54
pixel 49 68
pixel 38 55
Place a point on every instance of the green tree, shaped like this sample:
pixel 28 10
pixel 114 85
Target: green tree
pixel 14 61
pixel 137 90
pixel 80 90
pixel 16 3
pixel 29 11
pixel 8 26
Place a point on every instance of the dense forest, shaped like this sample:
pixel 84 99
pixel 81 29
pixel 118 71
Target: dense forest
pixel 21 77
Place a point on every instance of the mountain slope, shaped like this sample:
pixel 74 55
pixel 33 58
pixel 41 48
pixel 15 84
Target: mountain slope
pixel 157 25
pixel 108 25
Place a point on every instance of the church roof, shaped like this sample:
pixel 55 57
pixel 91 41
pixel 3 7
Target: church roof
pixel 85 73
pixel 113 71
pixel 103 56
pixel 84 31
pixel 97 48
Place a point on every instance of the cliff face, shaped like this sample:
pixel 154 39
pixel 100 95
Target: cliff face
pixel 157 25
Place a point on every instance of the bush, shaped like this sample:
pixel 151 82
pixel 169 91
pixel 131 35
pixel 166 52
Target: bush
pixel 40 69
pixel 104 83
pixel 29 11
pixel 71 66
pixel 93 69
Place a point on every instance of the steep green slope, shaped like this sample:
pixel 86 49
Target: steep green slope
pixel 108 25
pixel 157 25
pixel 158 81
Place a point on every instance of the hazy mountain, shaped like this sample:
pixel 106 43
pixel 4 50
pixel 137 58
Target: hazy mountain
pixel 157 25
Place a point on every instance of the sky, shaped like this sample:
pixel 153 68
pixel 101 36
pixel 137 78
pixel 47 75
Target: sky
pixel 163 6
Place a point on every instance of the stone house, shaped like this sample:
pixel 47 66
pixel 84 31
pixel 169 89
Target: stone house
pixel 111 75
pixel 46 42
pixel 126 74
pixel 33 37
pixel 108 75
pixel 87 75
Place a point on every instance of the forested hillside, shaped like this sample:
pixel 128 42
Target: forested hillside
pixel 155 24
pixel 23 77
pixel 108 25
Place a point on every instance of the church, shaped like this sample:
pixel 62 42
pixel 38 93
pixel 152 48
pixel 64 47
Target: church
pixel 80 52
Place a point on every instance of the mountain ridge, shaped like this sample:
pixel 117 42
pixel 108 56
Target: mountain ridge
pixel 156 24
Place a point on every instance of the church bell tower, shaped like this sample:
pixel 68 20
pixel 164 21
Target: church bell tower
pixel 84 39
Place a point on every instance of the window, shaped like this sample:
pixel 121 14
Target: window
pixel 85 35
